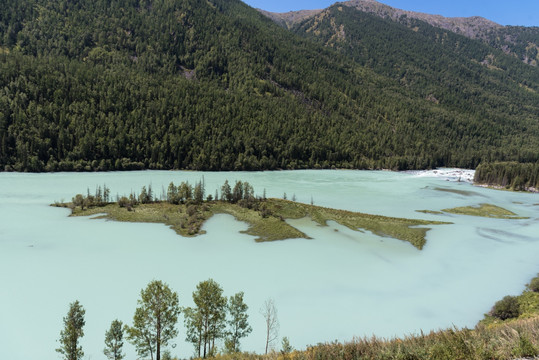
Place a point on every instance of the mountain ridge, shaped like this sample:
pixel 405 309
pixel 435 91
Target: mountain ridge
pixel 454 24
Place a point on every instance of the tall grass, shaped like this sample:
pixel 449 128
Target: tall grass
pixel 515 339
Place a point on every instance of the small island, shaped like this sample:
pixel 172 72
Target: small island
pixel 481 210
pixel 484 210
pixel 186 208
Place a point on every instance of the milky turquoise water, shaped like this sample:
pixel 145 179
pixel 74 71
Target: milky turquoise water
pixel 339 285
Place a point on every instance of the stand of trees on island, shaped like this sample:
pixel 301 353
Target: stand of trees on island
pixel 242 193
pixel 187 205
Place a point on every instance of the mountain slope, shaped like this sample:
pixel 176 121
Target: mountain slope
pixel 435 64
pixel 436 56
pixel 214 85
pixel 521 42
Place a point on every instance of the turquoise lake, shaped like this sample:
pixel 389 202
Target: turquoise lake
pixel 339 285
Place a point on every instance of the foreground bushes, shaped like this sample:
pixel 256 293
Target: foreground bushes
pixel 499 341
pixel 502 342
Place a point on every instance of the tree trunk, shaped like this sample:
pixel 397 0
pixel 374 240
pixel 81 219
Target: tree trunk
pixel 267 338
pixel 150 347
pixel 158 339
pixel 199 343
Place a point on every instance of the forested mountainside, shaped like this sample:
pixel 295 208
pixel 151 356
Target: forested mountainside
pixel 215 85
pixel 435 64
pixel 518 41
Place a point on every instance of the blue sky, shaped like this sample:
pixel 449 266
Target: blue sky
pixel 515 12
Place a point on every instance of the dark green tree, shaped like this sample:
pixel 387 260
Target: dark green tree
pixel 226 192
pixel 106 194
pixel 185 191
pixel 79 200
pixel 72 332
pixel 248 191
pixel 238 325
pixel 114 341
pixel 198 193
pixel 143 196
pixel 506 308
pixel 194 328
pixel 206 322
pixel 154 322
pixel 172 193
pixel 286 348
pixel 534 284
pixel 237 192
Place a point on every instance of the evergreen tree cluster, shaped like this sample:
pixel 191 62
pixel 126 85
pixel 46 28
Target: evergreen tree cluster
pixel 214 85
pixel 517 176
pixel 519 40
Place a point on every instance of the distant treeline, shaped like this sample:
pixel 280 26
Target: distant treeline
pixel 518 176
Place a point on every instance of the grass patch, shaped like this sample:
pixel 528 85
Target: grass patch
pixel 266 222
pixel 270 228
pixel 484 210
pixel 398 228
pixel 185 220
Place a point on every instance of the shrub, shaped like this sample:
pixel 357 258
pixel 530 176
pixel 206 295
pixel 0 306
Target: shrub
pixel 506 308
pixel 534 284
pixel 264 212
pixel 191 210
pixel 123 201
pixel 525 348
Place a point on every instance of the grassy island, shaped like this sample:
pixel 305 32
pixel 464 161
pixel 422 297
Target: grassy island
pixel 266 217
pixel 484 210
pixel 266 223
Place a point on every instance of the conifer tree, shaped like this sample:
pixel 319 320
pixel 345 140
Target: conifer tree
pixel 198 193
pixel 172 193
pixel 72 332
pixel 114 341
pixel 226 192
